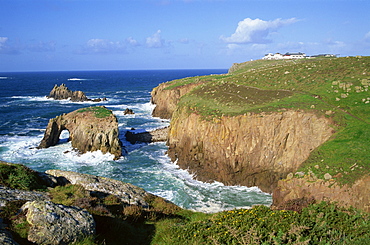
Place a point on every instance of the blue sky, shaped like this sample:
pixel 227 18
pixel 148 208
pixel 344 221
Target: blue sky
pixel 63 35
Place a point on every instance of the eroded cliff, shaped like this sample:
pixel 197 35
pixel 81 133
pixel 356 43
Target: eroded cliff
pixel 250 150
pixel 90 129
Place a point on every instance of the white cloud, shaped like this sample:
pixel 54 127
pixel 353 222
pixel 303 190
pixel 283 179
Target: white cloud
pixel 105 46
pixel 155 41
pixel 42 46
pixel 132 41
pixel 256 31
pixel 6 48
pixel 367 37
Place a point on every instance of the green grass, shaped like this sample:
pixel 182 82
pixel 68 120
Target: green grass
pixel 18 176
pixel 165 223
pixel 99 111
pixel 335 88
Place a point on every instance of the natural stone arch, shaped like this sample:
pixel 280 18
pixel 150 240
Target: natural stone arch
pixel 90 129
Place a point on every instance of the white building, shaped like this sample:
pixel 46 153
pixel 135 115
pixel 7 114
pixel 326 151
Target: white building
pixel 278 56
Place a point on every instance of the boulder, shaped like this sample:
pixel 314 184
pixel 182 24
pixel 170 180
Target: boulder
pixel 62 93
pixel 57 224
pixel 128 112
pixel 127 193
pixel 90 129
pixel 9 194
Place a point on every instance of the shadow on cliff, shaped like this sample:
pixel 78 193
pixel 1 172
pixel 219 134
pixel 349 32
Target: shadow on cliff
pixel 116 231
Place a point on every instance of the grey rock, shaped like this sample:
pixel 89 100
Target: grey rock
pixel 126 192
pixel 57 224
pixel 9 194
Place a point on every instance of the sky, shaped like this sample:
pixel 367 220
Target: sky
pixel 68 35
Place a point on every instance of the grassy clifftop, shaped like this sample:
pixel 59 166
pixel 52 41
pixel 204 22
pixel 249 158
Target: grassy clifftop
pixel 335 88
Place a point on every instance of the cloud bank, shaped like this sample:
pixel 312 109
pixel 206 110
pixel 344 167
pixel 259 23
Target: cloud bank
pixel 256 31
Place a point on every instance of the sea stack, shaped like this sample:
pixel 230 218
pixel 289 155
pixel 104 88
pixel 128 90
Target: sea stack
pixel 63 93
pixel 90 129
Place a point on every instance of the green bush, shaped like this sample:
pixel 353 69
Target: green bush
pixel 18 176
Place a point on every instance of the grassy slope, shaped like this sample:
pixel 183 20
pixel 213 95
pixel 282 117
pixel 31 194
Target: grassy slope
pixel 337 88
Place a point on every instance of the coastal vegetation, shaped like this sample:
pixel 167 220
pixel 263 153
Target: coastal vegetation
pixel 334 88
pixel 162 222
pixel 99 111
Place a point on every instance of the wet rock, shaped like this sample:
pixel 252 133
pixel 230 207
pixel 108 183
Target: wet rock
pixel 57 224
pixel 147 137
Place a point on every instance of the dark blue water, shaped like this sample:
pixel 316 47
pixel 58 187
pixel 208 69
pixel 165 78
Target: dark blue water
pixel 25 112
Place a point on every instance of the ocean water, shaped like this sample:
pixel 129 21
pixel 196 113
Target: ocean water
pixel 25 112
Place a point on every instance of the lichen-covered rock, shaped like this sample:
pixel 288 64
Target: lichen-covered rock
pixel 57 224
pixel 128 193
pixel 9 194
pixel 90 129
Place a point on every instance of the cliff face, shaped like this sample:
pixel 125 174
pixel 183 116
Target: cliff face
pixel 87 131
pixel 356 195
pixel 166 99
pixel 250 150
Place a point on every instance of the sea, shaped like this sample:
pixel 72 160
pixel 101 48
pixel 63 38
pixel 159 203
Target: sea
pixel 25 111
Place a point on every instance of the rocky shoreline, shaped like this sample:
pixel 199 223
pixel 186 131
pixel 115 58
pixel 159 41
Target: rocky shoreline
pixel 53 223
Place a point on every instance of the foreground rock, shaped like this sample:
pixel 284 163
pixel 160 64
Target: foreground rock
pixel 126 192
pixel 57 224
pixel 9 194
pixel 147 137
pixel 63 93
pixel 90 129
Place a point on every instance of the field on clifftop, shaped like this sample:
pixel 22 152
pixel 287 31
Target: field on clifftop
pixel 335 88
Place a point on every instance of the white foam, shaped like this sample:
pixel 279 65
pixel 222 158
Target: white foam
pixel 77 79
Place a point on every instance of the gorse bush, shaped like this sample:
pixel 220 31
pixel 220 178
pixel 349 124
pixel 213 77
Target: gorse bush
pixel 18 176
pixel 321 223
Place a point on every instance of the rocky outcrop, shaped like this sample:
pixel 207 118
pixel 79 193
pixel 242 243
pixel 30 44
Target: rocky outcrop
pixel 126 192
pixel 249 150
pixel 90 129
pixel 57 224
pixel 63 93
pixel 9 194
pixel 166 99
pixel 157 135
pixel 356 195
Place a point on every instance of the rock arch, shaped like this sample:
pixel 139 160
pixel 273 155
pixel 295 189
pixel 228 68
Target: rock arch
pixel 90 129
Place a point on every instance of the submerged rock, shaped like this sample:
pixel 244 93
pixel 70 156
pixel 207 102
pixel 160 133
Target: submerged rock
pixel 90 129
pixel 57 224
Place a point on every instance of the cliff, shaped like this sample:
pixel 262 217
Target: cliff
pixel 90 129
pixel 270 123
pixel 250 150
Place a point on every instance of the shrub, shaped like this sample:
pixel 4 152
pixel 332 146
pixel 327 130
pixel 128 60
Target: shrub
pixel 18 176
